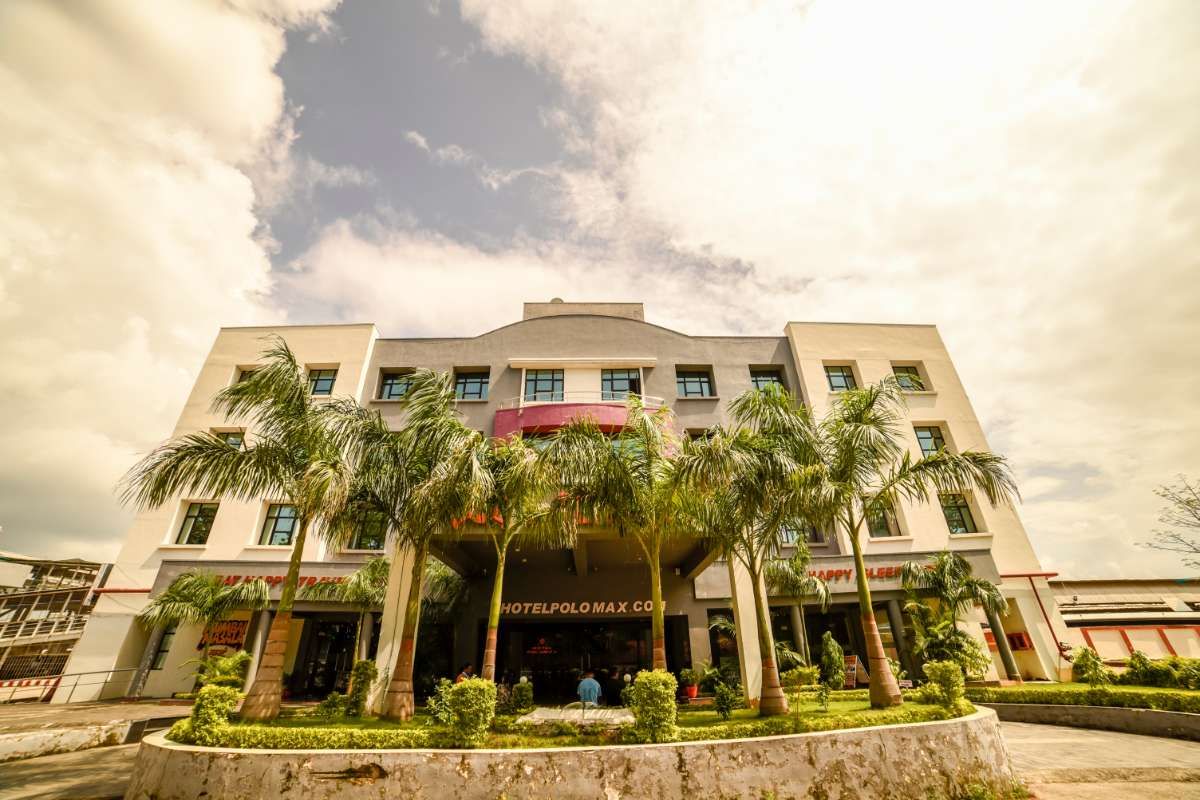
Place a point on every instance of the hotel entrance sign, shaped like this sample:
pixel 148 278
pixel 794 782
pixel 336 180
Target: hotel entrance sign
pixel 586 608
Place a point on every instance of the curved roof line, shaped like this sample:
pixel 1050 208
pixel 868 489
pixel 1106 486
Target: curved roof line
pixel 535 319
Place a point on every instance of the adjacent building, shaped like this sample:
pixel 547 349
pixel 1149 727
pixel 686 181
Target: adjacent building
pixel 586 607
pixel 1115 617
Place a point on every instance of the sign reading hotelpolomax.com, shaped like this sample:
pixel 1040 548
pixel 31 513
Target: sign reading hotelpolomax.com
pixel 597 608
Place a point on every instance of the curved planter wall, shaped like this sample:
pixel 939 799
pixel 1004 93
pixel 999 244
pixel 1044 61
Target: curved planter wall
pixel 1144 721
pixel 899 762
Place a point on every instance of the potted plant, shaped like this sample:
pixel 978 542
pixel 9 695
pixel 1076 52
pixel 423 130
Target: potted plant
pixel 690 679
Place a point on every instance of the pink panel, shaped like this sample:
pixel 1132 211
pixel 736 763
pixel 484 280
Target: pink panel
pixel 547 417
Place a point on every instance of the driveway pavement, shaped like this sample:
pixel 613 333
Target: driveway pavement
pixel 98 774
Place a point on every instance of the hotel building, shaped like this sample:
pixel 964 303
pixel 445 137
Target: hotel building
pixel 586 607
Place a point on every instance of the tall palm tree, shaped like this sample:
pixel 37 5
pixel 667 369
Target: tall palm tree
pixel 948 577
pixel 425 478
pixel 626 481
pixel 790 577
pixel 194 597
pixel 364 589
pixel 292 457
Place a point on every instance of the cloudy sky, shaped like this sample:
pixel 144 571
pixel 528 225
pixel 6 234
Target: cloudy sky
pixel 1026 176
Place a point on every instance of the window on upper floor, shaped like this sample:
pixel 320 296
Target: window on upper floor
pixel 197 523
pixel 280 525
pixel 394 385
pixel 231 437
pixel 246 373
pixel 617 384
pixel 371 533
pixel 471 385
pixel 164 647
pixel 762 378
pixel 957 511
pixel 930 438
pixel 812 534
pixel 840 377
pixel 908 377
pixel 544 385
pixel 693 383
pixel 882 524
pixel 320 381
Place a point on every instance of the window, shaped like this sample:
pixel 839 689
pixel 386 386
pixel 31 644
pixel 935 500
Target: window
pixel 812 535
pixel 909 378
pixel 471 385
pixel 371 533
pixel 320 382
pixel 617 384
pixel 232 438
pixel 762 378
pixel 930 438
pixel 395 385
pixel 279 526
pixel 881 523
pixel 693 383
pixel 544 384
pixel 840 378
pixel 197 523
pixel 164 647
pixel 958 514
pixel 246 374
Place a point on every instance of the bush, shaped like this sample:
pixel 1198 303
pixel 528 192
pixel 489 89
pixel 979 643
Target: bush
pixel 334 705
pixel 521 698
pixel 790 723
pixel 1072 694
pixel 823 697
pixel 472 705
pixel 438 703
pixel 946 686
pixel 224 670
pixel 270 737
pixel 1169 673
pixel 833 663
pixel 362 676
pixel 800 676
pixel 210 713
pixel 689 677
pixel 725 700
pixel 1088 668
pixel 653 704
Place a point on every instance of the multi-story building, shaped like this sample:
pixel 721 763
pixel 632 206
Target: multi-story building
pixel 587 606
pixel 1160 617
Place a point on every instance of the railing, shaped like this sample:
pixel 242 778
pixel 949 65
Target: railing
pixel 607 398
pixel 44 688
pixel 14 632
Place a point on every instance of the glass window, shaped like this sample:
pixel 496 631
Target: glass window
pixel 320 382
pixel 840 378
pixel 930 438
pixel 372 533
pixel 197 523
pixel 908 378
pixel 471 385
pixel 246 374
pixel 693 383
pixel 544 384
pixel 881 523
pixel 762 378
pixel 617 384
pixel 232 438
pixel 958 514
pixel 164 647
pixel 280 525
pixel 395 385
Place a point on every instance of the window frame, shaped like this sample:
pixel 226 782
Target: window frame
pixel 631 376
pixel 966 512
pixel 386 377
pixel 482 379
pixel 317 376
pixel 921 385
pixel 164 648
pixel 224 434
pixel 188 524
pixel 551 378
pixel 686 377
pixel 265 538
pixel 934 437
pixel 760 381
pixel 372 518
pixel 891 523
pixel 847 374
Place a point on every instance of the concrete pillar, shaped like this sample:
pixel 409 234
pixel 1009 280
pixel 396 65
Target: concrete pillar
pixel 749 656
pixel 1006 656
pixel 368 630
pixel 138 682
pixel 399 578
pixel 799 634
pixel 895 617
pixel 256 637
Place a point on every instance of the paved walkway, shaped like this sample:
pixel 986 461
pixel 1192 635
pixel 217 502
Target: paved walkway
pixel 17 717
pixel 98 774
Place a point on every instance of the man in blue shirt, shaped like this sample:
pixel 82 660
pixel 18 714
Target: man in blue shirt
pixel 589 689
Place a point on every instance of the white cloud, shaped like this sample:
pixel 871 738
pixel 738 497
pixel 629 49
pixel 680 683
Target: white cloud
pixel 128 234
pixel 459 156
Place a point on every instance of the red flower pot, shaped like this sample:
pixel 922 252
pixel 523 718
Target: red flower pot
pixel 691 691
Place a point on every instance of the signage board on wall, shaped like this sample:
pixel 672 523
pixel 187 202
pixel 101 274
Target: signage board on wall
pixel 585 608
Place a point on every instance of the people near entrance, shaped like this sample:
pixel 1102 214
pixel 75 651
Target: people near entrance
pixel 589 689
pixel 468 671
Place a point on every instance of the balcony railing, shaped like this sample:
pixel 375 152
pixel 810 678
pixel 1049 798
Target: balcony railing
pixel 24 630
pixel 579 398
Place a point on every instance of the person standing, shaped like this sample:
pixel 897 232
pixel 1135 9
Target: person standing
pixel 468 671
pixel 589 690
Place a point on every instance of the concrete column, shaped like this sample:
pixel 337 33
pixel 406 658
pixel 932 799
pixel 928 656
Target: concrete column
pixel 256 637
pixel 138 683
pixel 1006 656
pixel 749 656
pixel 399 578
pixel 896 621
pixel 368 630
pixel 799 634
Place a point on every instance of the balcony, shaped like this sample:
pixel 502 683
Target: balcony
pixel 606 409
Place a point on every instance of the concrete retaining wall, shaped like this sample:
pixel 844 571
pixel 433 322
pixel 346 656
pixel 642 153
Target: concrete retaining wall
pixel 1144 721
pixel 915 762
pixel 31 744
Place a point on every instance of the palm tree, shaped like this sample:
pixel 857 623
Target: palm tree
pixel 947 577
pixel 293 457
pixel 791 578
pixel 626 481
pixel 194 597
pixel 364 589
pixel 425 478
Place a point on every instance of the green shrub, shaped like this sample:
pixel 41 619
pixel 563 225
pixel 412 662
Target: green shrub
pixel 334 705
pixel 1082 695
pixel 472 705
pixel 362 676
pixel 833 663
pixel 823 697
pixel 789 723
pixel 210 713
pixel 897 670
pixel 1169 673
pixel 521 698
pixel 269 737
pixel 725 700
pixel 627 695
pixel 800 676
pixel 653 704
pixel 438 703
pixel 946 686
pixel 1088 667
pixel 689 677
pixel 224 670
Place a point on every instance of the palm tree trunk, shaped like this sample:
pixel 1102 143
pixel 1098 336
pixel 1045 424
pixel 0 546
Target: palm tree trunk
pixel 400 702
pixel 884 690
pixel 266 693
pixel 488 671
pixel 358 632
pixel 771 700
pixel 801 636
pixel 658 639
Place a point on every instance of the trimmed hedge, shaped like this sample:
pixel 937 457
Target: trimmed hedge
pixel 653 705
pixel 270 737
pixel 790 723
pixel 1080 695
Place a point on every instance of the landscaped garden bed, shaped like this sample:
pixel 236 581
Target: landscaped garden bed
pixel 1081 694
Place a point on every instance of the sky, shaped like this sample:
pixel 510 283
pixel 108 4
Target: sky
pixel 1026 176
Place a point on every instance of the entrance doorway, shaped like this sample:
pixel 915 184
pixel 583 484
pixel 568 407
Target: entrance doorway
pixel 325 655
